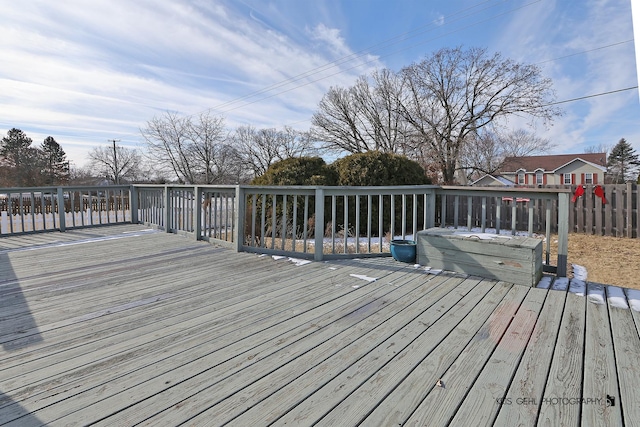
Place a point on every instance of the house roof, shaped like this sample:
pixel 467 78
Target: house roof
pixel 550 163
pixel 502 180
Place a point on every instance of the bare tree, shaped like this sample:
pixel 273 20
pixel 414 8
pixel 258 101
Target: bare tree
pixel 167 139
pixel 260 148
pixel 485 151
pixel 207 139
pixel 454 93
pixel 194 149
pixel 116 163
pixel 598 148
pixel 364 117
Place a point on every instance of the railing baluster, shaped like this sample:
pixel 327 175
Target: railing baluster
pixel 498 213
pixel 33 210
pixel 305 229
pixel 380 219
pixel 415 216
pixel 404 216
pixel 254 207
pixel 263 225
pixel 514 213
pixel 333 224
pixel 284 221
pixel 469 212
pixel 294 227
pixel 273 220
pixel 456 211
pixel 369 214
pixel 345 227
pixel 357 233
pixel 393 217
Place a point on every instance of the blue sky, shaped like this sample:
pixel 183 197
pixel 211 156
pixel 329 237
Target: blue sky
pixel 86 72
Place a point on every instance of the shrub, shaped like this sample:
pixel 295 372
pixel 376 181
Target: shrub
pixel 376 168
pixel 298 171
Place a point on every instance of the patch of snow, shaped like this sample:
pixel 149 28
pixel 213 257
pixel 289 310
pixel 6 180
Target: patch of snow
pixel 634 299
pixel 579 272
pixel 298 262
pixel 277 257
pixel 616 297
pixel 561 284
pixel 363 277
pixel 484 236
pixel 333 268
pixel 433 271
pixel 595 294
pixel 544 283
pixel 577 287
pixel 355 286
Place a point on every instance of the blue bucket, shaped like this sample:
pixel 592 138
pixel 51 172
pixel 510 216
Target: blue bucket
pixel 403 250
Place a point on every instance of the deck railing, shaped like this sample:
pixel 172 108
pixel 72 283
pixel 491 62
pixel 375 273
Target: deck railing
pixel 31 209
pixel 298 221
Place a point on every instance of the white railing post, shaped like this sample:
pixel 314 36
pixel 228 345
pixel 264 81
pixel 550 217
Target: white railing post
pixel 563 233
pixel 319 225
pixel 167 209
pixel 133 204
pixel 431 209
pixel 197 212
pixel 61 213
pixel 238 232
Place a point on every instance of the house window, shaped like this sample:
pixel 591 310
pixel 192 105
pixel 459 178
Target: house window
pixel 520 178
pixel 539 178
pixel 567 179
pixel 588 178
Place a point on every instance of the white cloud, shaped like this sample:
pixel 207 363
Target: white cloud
pixel 553 29
pixel 86 72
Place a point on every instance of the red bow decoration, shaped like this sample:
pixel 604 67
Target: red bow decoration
pixel 579 192
pixel 599 191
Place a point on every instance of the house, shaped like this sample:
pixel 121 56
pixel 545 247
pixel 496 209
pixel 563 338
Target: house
pixel 492 181
pixel 559 169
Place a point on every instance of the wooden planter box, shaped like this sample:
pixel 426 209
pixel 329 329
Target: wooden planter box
pixel 508 258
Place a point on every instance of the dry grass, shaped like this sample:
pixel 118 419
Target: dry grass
pixel 608 260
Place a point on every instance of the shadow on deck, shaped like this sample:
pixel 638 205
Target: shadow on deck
pixel 137 326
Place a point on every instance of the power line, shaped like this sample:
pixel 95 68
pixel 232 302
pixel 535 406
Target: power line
pixel 584 51
pixel 592 96
pixel 368 62
pixel 356 55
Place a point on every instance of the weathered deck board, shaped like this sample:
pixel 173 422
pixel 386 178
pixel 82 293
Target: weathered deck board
pixel 400 403
pixel 122 325
pixel 172 372
pixel 521 404
pixel 565 376
pixel 441 404
pixel 600 376
pixel 626 344
pixel 482 402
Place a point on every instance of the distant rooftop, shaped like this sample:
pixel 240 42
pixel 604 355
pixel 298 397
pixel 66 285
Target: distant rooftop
pixel 549 163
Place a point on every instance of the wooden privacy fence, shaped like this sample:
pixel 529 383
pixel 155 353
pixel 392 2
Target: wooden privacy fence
pixel 588 214
pixel 617 217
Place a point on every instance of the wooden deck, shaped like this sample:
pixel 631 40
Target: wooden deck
pixel 120 326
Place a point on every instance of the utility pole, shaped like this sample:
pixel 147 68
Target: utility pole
pixel 116 173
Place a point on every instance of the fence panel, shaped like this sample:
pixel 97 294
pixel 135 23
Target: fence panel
pixel 26 210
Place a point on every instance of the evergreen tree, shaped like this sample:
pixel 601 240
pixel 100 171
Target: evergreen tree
pixel 623 163
pixel 20 161
pixel 55 167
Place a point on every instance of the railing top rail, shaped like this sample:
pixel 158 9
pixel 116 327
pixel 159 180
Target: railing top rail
pixel 203 186
pixel 53 189
pixel 532 193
